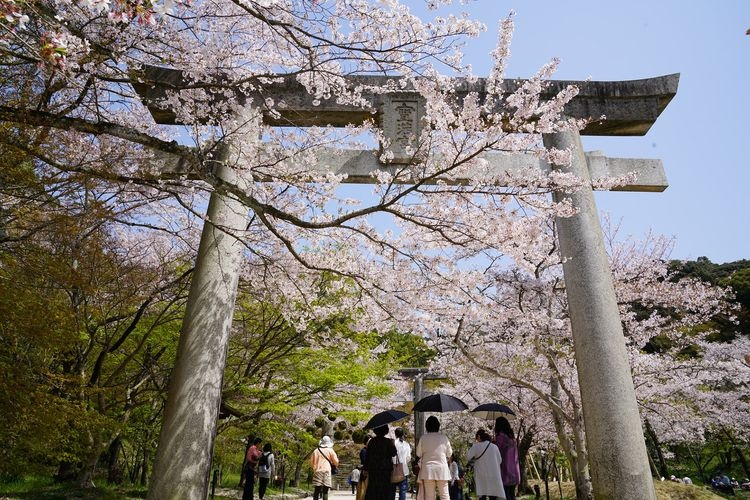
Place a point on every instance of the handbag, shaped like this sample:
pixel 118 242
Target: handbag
pixel 362 488
pixel 397 473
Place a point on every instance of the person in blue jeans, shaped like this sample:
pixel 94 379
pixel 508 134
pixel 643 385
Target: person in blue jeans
pixel 455 489
pixel 403 450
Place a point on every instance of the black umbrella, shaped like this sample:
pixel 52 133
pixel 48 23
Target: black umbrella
pixel 385 417
pixel 490 411
pixel 440 403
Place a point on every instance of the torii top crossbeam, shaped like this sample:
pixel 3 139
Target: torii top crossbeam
pixel 630 107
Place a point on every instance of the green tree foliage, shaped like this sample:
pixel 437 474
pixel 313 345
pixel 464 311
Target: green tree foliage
pixel 740 283
pixel 82 345
pixel 409 350
pixel 326 368
pixel 730 274
pixel 87 321
pixel 705 270
pixel 88 332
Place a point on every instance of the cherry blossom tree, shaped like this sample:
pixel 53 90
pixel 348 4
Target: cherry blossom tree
pixel 694 384
pixel 85 102
pixel 473 265
pixel 69 71
pixel 508 327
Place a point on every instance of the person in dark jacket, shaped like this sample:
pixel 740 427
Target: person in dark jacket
pixel 379 464
pixel 363 451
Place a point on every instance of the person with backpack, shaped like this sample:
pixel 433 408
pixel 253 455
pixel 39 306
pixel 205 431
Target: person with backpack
pixel 266 469
pixel 354 480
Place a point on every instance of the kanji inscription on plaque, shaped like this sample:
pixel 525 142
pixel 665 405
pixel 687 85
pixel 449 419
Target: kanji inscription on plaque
pixel 402 118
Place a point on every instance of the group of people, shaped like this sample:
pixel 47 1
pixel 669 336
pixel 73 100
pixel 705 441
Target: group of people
pixel 261 464
pixel 681 480
pixel 722 483
pixel 493 459
pixel 384 470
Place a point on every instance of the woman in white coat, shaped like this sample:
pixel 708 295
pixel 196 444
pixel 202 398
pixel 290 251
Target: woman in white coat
pixel 433 451
pixel 485 458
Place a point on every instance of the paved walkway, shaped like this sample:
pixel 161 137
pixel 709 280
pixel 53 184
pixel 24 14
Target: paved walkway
pixel 338 494
pixel 333 494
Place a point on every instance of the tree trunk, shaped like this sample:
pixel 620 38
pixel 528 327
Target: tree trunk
pixel 726 460
pixel 66 471
pixel 114 471
pixel 136 471
pixel 701 466
pixel 737 450
pixel 545 474
pixel 743 460
pixel 651 463
pixel 297 473
pixel 85 477
pixel 144 467
pixel 574 450
pixel 580 468
pixel 559 479
pixel 663 469
pixel 523 452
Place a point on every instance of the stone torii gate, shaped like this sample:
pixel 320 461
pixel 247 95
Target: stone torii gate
pixel 618 457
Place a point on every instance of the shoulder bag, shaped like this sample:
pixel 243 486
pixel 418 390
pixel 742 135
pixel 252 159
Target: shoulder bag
pixel 334 470
pixel 397 473
pixel 470 463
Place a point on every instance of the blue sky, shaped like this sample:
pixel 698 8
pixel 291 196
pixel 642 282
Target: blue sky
pixel 700 137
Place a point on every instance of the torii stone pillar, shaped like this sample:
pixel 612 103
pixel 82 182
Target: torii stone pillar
pixel 183 458
pixel 617 450
pixel 417 375
pixel 418 416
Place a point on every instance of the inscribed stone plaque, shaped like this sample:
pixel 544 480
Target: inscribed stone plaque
pixel 402 125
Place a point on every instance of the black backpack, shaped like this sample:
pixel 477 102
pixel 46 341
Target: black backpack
pixel 263 461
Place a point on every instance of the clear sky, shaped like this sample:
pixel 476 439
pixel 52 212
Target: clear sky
pixel 702 134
